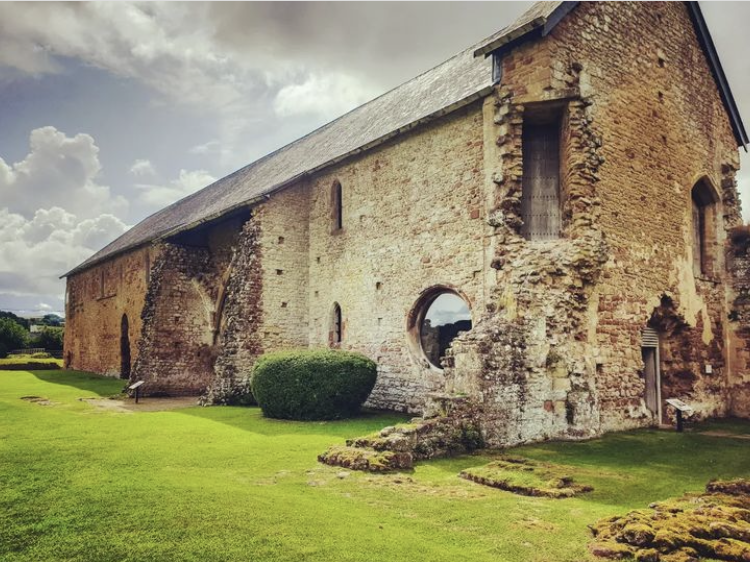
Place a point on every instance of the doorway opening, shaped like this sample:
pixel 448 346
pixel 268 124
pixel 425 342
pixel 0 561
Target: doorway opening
pixel 124 348
pixel 651 372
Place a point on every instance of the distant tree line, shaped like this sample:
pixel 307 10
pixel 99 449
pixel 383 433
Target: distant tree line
pixel 14 333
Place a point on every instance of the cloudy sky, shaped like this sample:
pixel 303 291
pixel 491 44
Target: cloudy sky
pixel 110 111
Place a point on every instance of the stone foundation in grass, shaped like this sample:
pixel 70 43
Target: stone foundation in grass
pixel 713 525
pixel 398 447
pixel 527 478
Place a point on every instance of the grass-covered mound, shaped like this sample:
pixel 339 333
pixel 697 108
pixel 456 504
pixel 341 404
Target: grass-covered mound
pixel 527 478
pixel 713 525
pixel 34 362
pixel 321 384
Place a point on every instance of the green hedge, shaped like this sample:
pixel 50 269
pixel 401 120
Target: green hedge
pixel 312 384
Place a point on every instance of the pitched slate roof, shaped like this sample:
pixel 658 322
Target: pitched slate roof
pixel 458 81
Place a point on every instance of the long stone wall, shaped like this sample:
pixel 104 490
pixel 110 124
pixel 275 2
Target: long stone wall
pixel 411 221
pixel 97 300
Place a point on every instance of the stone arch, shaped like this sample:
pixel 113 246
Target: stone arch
pixel 677 362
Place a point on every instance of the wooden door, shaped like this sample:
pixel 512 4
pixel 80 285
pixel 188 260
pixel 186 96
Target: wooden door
pixel 651 376
pixel 540 198
pixel 651 373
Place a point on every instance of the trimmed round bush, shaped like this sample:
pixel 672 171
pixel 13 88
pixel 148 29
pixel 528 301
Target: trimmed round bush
pixel 321 384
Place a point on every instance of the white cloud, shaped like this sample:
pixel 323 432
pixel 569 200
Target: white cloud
pixel 327 96
pixel 180 51
pixel 54 214
pixel 142 167
pixel 58 171
pixel 44 307
pixel 158 196
pixel 35 252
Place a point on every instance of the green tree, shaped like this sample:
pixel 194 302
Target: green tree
pixel 50 338
pixel 17 319
pixel 12 336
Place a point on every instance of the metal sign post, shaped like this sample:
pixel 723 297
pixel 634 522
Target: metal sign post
pixel 136 387
pixel 680 407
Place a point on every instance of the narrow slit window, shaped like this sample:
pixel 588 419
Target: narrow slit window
pixel 540 198
pixel 337 206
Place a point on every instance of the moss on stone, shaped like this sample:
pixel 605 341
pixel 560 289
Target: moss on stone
pixel 714 525
pixel 369 460
pixel 526 477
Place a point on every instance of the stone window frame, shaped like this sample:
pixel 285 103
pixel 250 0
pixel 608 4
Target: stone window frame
pixel 416 315
pixel 337 207
pixel 336 326
pixel 704 228
pixel 548 112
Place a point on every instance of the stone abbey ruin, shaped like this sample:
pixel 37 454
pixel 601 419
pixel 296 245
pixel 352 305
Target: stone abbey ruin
pixel 546 228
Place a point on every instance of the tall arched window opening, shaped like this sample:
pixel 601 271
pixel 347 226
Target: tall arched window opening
pixel 337 332
pixel 704 228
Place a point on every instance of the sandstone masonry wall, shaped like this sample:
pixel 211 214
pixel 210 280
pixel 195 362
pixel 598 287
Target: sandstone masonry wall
pixel 663 127
pixel 96 301
pixel 558 352
pixel 411 221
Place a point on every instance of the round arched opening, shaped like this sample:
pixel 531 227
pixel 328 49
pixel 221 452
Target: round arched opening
pixel 438 317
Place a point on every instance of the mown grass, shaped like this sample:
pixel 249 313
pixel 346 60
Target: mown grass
pixel 209 484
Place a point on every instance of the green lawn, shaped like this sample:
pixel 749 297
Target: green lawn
pixel 81 483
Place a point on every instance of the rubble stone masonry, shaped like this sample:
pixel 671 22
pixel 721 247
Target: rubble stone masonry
pixel 555 351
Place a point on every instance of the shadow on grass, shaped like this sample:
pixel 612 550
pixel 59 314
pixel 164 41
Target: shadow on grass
pixel 251 419
pixel 90 382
